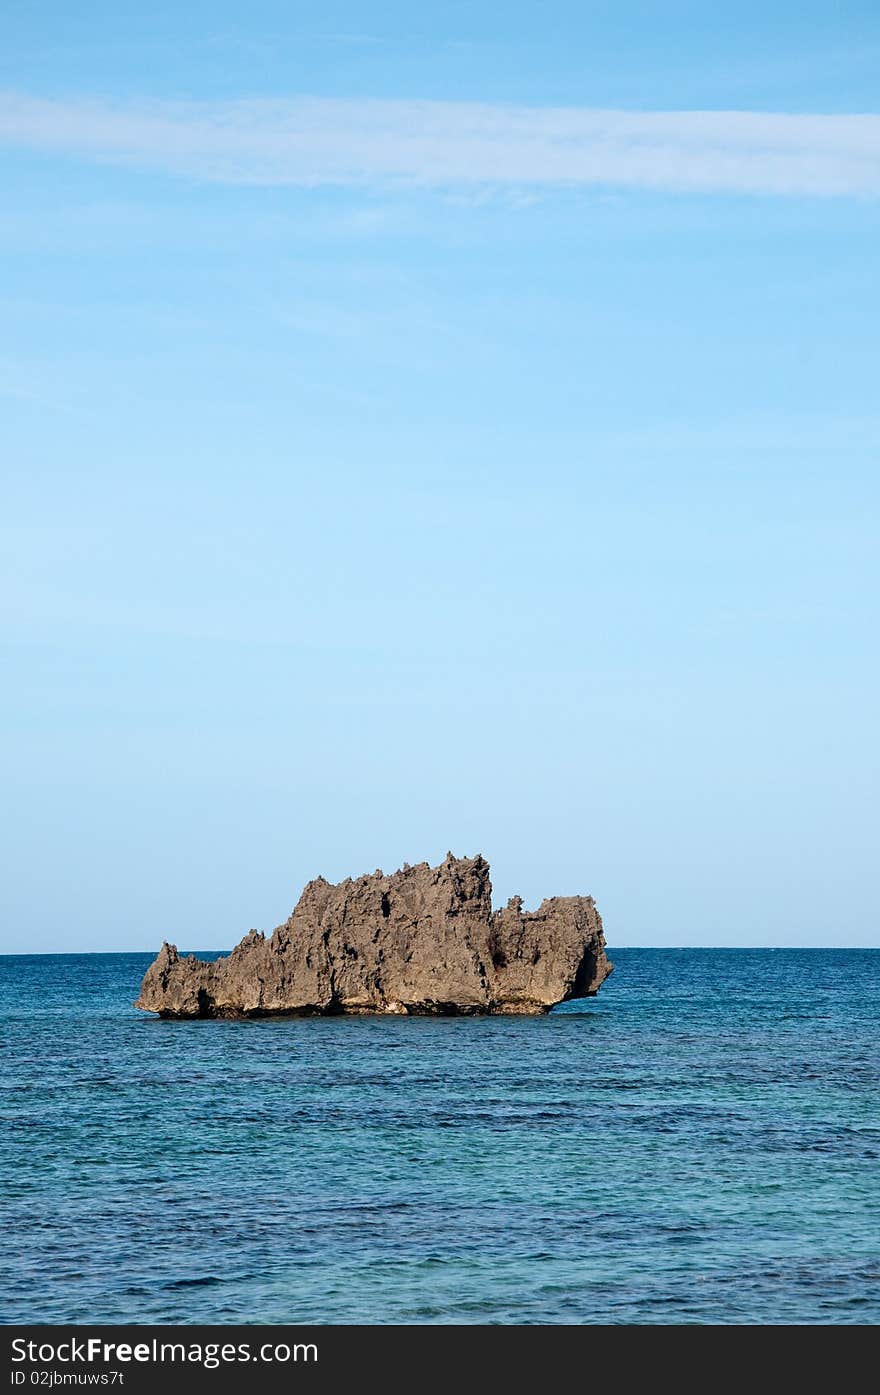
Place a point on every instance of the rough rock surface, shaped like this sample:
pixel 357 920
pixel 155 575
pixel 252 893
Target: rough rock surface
pixel 424 940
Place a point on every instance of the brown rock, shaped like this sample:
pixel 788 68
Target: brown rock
pixel 424 940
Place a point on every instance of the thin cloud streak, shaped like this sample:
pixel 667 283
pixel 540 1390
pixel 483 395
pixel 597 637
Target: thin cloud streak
pixel 318 141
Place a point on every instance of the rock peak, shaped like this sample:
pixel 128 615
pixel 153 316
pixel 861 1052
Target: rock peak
pixel 421 940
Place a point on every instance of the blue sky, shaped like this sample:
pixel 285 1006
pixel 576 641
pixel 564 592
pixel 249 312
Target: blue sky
pixel 439 426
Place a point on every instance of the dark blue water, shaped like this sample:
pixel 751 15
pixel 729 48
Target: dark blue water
pixel 700 1143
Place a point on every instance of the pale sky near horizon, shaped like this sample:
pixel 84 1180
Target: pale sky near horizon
pixel 440 426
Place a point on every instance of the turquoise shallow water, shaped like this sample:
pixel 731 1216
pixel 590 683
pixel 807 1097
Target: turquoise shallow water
pixel 699 1143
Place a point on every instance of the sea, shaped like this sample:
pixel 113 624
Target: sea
pixel 700 1143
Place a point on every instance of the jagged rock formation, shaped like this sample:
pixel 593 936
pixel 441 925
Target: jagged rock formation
pixel 424 940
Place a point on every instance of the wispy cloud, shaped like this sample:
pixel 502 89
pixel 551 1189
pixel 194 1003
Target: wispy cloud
pixel 313 141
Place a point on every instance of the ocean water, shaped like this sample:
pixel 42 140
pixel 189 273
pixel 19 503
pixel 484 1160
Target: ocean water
pixel 699 1143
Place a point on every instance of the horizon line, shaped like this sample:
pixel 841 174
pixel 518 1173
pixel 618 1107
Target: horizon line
pixel 81 953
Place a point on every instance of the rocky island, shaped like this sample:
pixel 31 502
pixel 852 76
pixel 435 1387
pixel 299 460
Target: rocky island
pixel 423 940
